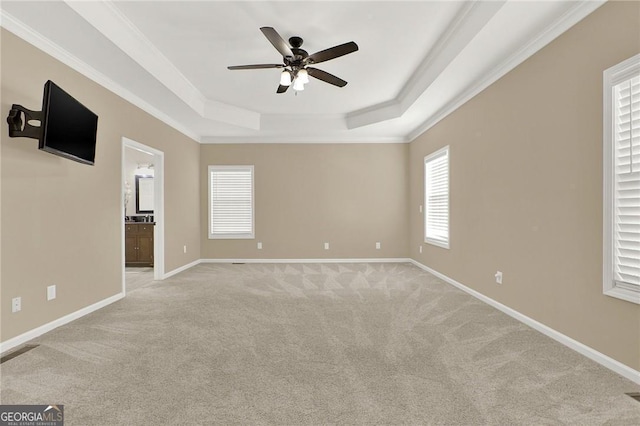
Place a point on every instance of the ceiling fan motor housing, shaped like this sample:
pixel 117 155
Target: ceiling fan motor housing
pixel 295 41
pixel 299 55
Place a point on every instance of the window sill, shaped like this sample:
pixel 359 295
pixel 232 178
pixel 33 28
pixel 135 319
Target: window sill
pixel 232 237
pixel 624 294
pixel 439 243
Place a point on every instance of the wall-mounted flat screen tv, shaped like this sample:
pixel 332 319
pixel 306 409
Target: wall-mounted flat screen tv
pixel 68 127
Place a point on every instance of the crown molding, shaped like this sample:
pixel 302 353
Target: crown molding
pixel 221 140
pixel 230 114
pixel 374 114
pixel 471 18
pixel 119 30
pixel 580 11
pixel 268 127
pixel 16 27
pixel 107 19
pixel 463 28
pixel 306 128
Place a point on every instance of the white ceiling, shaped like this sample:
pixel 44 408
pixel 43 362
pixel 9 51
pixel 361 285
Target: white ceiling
pixel 418 60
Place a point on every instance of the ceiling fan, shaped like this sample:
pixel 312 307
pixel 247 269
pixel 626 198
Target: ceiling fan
pixel 296 69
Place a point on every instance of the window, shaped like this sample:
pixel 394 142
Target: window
pixel 436 184
pixel 231 202
pixel 621 263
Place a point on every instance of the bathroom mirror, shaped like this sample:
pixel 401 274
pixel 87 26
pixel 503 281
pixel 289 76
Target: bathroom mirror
pixel 144 194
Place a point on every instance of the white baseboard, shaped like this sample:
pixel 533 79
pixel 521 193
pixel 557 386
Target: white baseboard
pixel 38 331
pixel 374 260
pixel 581 348
pixel 600 358
pixel 181 269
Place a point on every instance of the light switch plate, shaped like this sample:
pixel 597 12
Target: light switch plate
pixel 51 292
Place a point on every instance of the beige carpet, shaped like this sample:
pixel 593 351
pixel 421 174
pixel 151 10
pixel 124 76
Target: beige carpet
pixel 136 277
pixel 311 344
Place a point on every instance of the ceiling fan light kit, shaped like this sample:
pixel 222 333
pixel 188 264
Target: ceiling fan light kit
pixel 298 85
pixel 296 69
pixel 285 78
pixel 303 76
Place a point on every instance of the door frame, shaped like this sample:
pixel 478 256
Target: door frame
pixel 158 206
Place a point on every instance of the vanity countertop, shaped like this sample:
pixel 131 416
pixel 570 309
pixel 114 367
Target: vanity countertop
pixel 138 223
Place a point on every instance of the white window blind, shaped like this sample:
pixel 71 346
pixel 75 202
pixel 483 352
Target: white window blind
pixel 231 212
pixel 627 182
pixel 436 168
pixel 621 181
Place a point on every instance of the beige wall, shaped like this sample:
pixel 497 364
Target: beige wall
pixel 526 187
pixel 61 220
pixel 350 195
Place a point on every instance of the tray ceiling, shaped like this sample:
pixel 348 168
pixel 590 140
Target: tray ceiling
pixel 418 60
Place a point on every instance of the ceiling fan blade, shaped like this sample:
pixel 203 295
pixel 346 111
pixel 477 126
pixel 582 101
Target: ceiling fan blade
pixel 277 41
pixel 282 89
pixel 326 77
pixel 332 53
pixel 255 67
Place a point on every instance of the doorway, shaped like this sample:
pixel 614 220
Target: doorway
pixel 141 162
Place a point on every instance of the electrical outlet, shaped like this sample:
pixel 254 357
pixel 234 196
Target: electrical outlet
pixel 420 209
pixel 184 249
pixel 378 245
pixel 326 246
pixel 498 277
pixel 16 304
pixel 260 246
pixel 420 249
pixel 51 292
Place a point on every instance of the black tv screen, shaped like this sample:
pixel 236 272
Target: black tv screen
pixel 68 127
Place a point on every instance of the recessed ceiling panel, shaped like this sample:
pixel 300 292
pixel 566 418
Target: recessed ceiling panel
pixel 417 60
pixel 203 38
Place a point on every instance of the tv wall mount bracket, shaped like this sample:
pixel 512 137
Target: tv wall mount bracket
pixel 18 129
